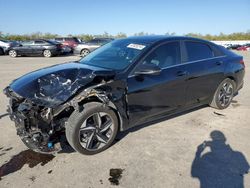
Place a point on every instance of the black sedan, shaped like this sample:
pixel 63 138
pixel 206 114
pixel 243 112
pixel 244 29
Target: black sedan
pixel 39 47
pixel 122 84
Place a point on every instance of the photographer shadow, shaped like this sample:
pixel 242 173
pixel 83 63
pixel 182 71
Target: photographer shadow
pixel 221 166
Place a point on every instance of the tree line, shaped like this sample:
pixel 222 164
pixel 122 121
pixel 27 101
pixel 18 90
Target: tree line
pixel 87 37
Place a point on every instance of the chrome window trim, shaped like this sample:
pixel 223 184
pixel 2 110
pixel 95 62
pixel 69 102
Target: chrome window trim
pixel 188 62
pixel 185 63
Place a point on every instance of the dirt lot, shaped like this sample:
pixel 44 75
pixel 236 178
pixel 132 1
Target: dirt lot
pixel 159 155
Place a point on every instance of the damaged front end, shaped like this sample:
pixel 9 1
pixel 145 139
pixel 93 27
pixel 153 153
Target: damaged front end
pixel 35 124
pixel 42 101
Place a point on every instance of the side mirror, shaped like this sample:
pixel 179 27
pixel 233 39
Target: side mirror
pixel 148 69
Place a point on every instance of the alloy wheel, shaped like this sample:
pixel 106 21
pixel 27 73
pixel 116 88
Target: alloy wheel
pixel 96 131
pixel 12 53
pixel 84 53
pixel 47 53
pixel 226 94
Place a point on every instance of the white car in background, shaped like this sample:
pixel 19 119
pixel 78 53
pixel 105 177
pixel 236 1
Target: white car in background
pixel 5 45
pixel 84 49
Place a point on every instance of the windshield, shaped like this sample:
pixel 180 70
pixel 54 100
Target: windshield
pixel 116 55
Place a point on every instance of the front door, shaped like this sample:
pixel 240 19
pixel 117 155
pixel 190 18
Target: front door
pixel 153 95
pixel 26 48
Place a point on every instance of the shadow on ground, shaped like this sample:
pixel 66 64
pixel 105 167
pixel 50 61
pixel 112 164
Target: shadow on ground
pixel 221 166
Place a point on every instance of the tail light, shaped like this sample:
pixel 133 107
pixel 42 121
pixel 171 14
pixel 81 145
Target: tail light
pixel 242 62
pixel 59 45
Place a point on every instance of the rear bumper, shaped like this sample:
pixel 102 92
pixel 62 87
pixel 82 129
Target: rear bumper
pixel 239 79
pixel 238 88
pixel 76 51
pixel 56 51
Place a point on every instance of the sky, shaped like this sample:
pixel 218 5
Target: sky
pixel 65 17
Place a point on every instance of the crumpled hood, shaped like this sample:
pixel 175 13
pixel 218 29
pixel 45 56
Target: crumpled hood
pixel 54 85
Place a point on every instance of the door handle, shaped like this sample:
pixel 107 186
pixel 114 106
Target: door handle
pixel 182 73
pixel 219 63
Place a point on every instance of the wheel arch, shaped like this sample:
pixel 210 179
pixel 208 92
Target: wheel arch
pixel 110 104
pixel 233 79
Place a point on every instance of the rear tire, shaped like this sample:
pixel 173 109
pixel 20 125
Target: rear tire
pixel 12 53
pixel 47 53
pixel 93 129
pixel 84 52
pixel 223 94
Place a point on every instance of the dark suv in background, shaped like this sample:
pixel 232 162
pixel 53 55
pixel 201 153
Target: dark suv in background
pixel 84 49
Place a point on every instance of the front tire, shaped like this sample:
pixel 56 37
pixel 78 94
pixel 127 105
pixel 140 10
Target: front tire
pixel 93 129
pixel 224 94
pixel 12 53
pixel 47 53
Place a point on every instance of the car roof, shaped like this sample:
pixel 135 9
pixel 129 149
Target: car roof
pixel 101 38
pixel 3 40
pixel 65 37
pixel 158 38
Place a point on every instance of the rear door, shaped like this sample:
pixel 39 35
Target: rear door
pixel 205 71
pixel 153 95
pixel 38 46
pixel 94 44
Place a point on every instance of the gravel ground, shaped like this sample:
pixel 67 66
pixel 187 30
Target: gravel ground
pixel 160 155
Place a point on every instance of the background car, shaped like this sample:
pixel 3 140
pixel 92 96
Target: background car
pixel 234 46
pixel 5 46
pixel 43 47
pixel 245 47
pixel 84 49
pixel 70 42
pixel 64 49
pixel 227 46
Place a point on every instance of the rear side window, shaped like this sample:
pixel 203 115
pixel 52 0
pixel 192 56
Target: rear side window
pixel 59 39
pixel 94 41
pixel 198 51
pixel 218 51
pixel 103 41
pixel 39 42
pixel 27 43
pixel 71 39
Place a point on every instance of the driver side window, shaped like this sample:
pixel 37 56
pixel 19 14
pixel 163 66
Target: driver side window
pixel 165 55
